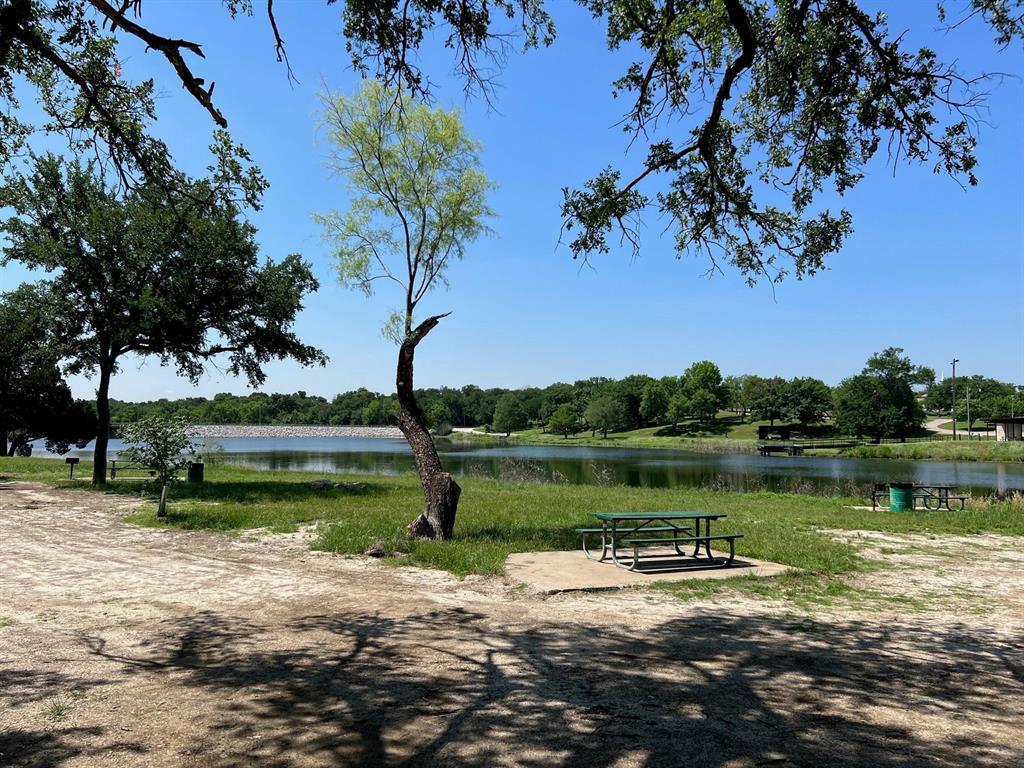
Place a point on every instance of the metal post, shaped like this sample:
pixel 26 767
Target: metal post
pixel 968 411
pixel 955 361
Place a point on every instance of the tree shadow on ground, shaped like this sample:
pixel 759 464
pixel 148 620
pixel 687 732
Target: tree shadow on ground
pixel 716 427
pixel 57 744
pixel 453 687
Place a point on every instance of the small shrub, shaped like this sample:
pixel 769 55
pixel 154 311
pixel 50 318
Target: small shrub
pixel 163 446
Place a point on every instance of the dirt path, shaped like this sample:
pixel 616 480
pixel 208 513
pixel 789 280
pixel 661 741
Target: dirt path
pixel 122 646
pixel 935 425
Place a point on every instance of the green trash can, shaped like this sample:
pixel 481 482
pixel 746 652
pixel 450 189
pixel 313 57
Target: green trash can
pixel 901 497
pixel 195 472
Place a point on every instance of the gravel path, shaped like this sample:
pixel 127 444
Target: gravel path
pixel 124 646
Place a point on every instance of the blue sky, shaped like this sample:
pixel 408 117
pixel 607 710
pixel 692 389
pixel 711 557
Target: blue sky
pixel 931 267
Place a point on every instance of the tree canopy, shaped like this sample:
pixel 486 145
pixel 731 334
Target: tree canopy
pixel 750 110
pixel 135 274
pixel 35 400
pixel 880 401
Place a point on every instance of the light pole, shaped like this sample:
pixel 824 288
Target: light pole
pixel 955 361
pixel 969 436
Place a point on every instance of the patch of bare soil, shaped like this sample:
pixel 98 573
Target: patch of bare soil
pixel 981 574
pixel 124 646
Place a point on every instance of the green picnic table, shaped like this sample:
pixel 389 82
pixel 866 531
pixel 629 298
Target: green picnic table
pixel 636 530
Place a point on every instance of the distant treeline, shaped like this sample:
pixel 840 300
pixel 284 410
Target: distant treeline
pixel 879 401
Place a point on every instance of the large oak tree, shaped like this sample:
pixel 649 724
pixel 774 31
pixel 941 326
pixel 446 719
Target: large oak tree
pixel 138 274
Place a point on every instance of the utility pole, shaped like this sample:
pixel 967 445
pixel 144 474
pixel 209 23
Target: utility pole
pixel 968 411
pixel 955 361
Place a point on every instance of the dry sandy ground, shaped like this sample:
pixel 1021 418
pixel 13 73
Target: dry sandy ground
pixel 133 647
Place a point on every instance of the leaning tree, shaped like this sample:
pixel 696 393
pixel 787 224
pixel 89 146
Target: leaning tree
pixel 139 274
pixel 417 199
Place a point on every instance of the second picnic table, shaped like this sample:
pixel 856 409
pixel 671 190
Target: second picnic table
pixel 941 496
pixel 634 530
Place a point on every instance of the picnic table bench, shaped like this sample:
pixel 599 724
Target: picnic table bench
pixel 928 494
pixel 940 496
pixel 636 530
pixel 126 469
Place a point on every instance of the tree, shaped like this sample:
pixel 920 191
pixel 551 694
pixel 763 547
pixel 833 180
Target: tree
pixel 733 386
pixel 605 414
pixel 678 408
pixel 989 397
pixel 564 421
pixel 509 414
pixel 770 398
pixel 35 401
pixel 163 446
pixel 880 401
pixel 702 385
pixel 740 101
pixel 808 400
pixel 139 274
pixel 750 391
pixel 417 199
pixel 654 403
pixel 893 365
pixel 630 392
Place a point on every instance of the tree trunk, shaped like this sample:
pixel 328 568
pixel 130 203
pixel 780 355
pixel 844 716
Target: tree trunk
pixel 440 491
pixel 99 454
pixel 3 440
pixel 161 510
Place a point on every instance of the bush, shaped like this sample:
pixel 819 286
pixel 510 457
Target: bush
pixel 163 446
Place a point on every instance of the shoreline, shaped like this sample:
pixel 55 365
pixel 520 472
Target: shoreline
pixel 291 430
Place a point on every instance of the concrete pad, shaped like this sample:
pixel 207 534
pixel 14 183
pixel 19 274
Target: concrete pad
pixel 552 572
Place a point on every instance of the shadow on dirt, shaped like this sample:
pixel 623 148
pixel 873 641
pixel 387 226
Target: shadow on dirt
pixel 453 688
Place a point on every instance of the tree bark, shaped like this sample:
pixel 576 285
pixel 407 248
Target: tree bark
pixel 440 491
pixel 99 455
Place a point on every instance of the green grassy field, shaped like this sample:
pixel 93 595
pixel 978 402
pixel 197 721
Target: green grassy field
pixel 944 450
pixel 498 518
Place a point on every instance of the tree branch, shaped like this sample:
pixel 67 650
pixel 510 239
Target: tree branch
pixel 171 49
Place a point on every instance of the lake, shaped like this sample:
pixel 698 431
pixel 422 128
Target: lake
pixel 651 468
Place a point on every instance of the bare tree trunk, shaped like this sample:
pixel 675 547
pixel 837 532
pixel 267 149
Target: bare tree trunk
pixel 440 491
pixel 99 455
pixel 161 510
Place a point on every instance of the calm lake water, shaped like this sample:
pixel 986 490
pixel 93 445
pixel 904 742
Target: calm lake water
pixel 652 468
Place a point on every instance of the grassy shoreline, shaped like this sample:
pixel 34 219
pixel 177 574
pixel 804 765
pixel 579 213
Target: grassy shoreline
pixel 946 450
pixel 637 438
pixel 497 518
pixel 937 450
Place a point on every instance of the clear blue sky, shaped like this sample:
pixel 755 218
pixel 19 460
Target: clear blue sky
pixel 931 267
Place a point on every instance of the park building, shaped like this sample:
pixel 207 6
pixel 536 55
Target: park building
pixel 1007 427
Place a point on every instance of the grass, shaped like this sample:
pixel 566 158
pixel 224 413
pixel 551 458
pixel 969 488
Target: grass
pixel 499 518
pixel 680 438
pixel 942 450
pixel 57 710
pixel 6 621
